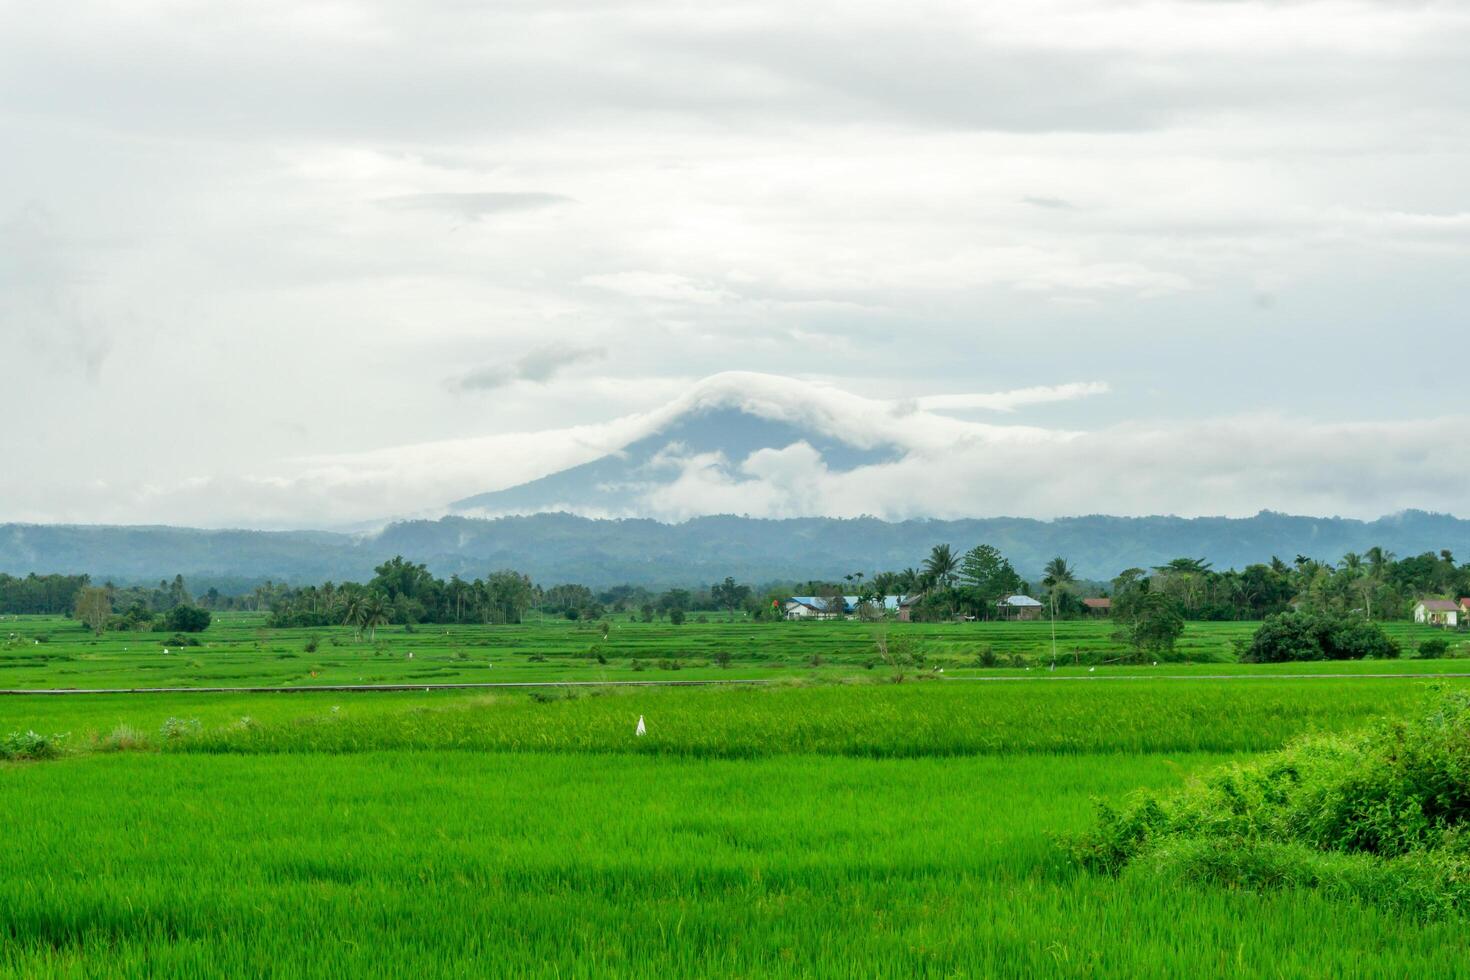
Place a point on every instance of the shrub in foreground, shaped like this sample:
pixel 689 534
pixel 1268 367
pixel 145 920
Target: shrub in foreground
pixel 30 746
pixel 1381 817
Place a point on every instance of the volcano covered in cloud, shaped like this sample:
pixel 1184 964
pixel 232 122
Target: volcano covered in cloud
pixel 725 445
pixel 757 444
pixel 767 446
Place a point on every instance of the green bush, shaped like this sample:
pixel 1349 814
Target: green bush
pixel 174 729
pixel 30 745
pixel 1293 636
pixel 1382 817
pixel 1434 648
pixel 187 619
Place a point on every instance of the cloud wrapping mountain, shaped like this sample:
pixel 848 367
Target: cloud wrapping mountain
pixel 787 447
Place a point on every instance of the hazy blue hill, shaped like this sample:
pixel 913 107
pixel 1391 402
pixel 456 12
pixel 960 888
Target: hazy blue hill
pixel 615 482
pixel 561 547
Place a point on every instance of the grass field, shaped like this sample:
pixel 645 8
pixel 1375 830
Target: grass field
pixel 239 650
pixel 831 824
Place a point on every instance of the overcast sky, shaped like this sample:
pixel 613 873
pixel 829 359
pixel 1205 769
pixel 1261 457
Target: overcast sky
pixel 246 247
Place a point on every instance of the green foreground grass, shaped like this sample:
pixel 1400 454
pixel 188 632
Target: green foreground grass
pixel 417 864
pixel 821 827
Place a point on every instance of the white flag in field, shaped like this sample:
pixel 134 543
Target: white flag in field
pixel 640 730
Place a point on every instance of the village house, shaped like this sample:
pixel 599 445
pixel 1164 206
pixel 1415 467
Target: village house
pixel 1438 612
pixel 1021 607
pixel 1098 607
pixel 906 608
pixel 825 607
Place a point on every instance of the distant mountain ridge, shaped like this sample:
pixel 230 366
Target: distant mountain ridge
pixel 564 548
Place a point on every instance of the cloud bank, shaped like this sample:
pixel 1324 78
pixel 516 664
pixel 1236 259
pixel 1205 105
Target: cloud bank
pixel 947 467
pixel 536 367
pixel 246 245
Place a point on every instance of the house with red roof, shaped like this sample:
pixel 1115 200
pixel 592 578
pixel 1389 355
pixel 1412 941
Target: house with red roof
pixel 1438 612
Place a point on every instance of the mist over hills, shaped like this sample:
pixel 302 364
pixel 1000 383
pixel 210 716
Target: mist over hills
pixel 640 500
pixel 566 548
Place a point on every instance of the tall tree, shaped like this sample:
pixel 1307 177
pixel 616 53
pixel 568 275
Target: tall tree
pixel 988 576
pixel 374 614
pixel 93 608
pixel 730 596
pixel 941 564
pixel 352 614
pixel 1059 575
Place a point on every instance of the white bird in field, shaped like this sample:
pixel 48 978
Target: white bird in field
pixel 410 655
pixel 641 729
pixel 1091 669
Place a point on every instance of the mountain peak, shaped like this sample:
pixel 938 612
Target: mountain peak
pixel 733 428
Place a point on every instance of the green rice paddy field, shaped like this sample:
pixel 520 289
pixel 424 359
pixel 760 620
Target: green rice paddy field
pixel 830 823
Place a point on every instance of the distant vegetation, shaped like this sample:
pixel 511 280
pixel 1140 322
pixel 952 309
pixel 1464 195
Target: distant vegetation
pixel 1149 606
pixel 603 553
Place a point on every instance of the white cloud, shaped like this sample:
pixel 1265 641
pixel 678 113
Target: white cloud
pixel 658 286
pixel 1009 401
pixel 536 367
pixel 946 467
pixel 272 229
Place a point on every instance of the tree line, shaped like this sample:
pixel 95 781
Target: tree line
pixel 406 592
pixel 1375 584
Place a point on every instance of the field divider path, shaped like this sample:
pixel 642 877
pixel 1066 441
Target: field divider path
pixel 711 682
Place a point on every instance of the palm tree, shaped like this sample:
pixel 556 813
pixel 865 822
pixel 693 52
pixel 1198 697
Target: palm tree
pixel 352 610
pixel 374 614
pixel 1059 575
pixel 941 565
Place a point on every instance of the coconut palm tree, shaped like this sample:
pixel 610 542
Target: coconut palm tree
pixel 352 615
pixel 374 614
pixel 1059 575
pixel 941 565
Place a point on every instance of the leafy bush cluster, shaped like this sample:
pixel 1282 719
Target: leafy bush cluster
pixel 30 746
pixel 174 729
pixel 180 619
pixel 1379 817
pixel 1435 648
pixel 1309 636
